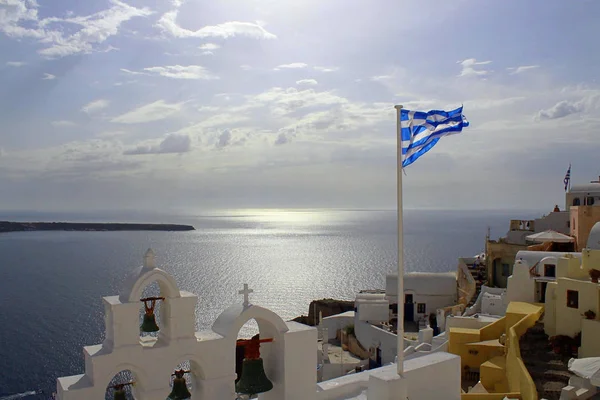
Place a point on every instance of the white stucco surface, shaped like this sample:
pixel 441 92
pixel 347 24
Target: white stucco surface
pixel 434 290
pixel 418 375
pixel 336 322
pixel 594 238
pixel 289 361
pixel 521 285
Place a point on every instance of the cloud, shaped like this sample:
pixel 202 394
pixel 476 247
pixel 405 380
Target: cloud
pixel 63 124
pixel 290 66
pixel 20 20
pixel 245 67
pixel 284 101
pixel 94 106
pixel 48 77
pixel 285 136
pixel 523 68
pixel 380 78
pixel 224 139
pixel 326 69
pixel 181 72
pixel 172 144
pixel 209 46
pixel 469 70
pixel 309 82
pixel 150 112
pixel 15 64
pixel 168 24
pixel 560 110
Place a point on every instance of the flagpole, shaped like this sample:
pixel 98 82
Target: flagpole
pixel 400 312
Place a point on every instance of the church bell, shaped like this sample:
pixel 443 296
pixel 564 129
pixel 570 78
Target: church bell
pixel 253 379
pixel 149 323
pixel 120 394
pixel 180 390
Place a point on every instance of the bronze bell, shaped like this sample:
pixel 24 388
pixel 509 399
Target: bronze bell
pixel 253 379
pixel 120 394
pixel 180 390
pixel 149 323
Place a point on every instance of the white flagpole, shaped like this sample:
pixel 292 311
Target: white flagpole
pixel 400 323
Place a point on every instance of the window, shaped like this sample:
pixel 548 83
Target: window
pixel 589 201
pixel 505 269
pixel 576 201
pixel 572 299
pixel 550 270
pixel 568 224
pixel 421 308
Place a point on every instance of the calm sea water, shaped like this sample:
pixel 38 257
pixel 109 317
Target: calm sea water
pixel 52 282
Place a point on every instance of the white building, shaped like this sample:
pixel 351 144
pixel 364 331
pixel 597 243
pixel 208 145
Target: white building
pixel 594 238
pixel 532 271
pixel 424 293
pixel 290 359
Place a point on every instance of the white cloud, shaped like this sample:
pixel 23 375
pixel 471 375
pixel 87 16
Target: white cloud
pixel 523 68
pixel 63 124
pixel 209 46
pixel 20 20
pixel 284 101
pixel 326 69
pixel 182 72
pixel 172 144
pixel 380 78
pixel 150 112
pixel 128 71
pixel 48 77
pixel 15 64
pixel 245 67
pixel 95 105
pixel 468 67
pixel 290 66
pixel 168 24
pixel 561 109
pixel 310 82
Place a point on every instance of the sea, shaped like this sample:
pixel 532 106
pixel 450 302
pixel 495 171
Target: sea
pixel 52 283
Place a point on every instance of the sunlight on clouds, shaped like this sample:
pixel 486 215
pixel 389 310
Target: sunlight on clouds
pixel 468 67
pixel 20 20
pixel 95 106
pixel 150 112
pixel 168 24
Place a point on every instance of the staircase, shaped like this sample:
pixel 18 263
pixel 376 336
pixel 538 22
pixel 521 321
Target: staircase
pixel 479 274
pixel 548 370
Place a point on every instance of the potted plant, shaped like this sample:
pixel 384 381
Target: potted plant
pixel 589 314
pixel 595 275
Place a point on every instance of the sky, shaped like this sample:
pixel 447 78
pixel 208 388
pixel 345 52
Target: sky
pixel 191 105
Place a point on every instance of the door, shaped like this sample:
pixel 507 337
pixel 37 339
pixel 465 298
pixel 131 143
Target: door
pixel 378 360
pixel 543 292
pixel 409 308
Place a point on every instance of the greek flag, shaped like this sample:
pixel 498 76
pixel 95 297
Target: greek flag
pixel 421 130
pixel 567 178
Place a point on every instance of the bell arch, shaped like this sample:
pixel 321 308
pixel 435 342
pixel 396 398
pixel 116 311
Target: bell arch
pixel 137 376
pixel 270 326
pixel 168 286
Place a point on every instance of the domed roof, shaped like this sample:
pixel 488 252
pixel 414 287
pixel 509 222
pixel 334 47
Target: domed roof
pixel 594 238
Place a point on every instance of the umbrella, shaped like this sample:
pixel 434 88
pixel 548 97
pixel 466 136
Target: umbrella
pixel 550 236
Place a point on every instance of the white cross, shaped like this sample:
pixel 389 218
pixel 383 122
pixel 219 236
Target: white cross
pixel 246 292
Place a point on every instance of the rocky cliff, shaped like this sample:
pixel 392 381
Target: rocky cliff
pixel 328 307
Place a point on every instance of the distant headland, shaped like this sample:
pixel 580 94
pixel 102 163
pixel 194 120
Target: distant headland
pixel 7 226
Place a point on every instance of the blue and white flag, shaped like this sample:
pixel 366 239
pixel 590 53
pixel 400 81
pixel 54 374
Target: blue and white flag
pixel 421 130
pixel 567 178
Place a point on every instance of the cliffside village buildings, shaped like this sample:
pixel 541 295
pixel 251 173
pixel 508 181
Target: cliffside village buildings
pixel 520 322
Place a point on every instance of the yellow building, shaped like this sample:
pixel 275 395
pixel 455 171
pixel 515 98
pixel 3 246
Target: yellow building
pixel 493 354
pixel 582 220
pixel 573 301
